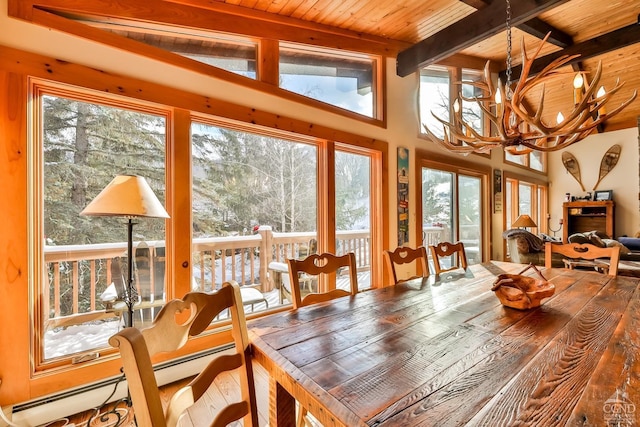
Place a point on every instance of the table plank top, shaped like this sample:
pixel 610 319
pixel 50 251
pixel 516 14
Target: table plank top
pixel 445 351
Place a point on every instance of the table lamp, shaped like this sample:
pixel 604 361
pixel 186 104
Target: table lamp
pixel 128 196
pixel 524 221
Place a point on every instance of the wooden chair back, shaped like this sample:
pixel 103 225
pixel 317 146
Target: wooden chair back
pixel 316 264
pixel 404 255
pixel 175 323
pixel 583 251
pixel 447 249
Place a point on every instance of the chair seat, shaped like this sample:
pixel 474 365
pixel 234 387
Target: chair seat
pixel 251 296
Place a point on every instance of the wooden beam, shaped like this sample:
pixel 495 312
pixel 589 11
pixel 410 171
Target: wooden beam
pixel 538 28
pixel 468 31
pixel 535 26
pixel 617 39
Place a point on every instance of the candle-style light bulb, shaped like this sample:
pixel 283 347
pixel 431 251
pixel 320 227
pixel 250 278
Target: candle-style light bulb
pixel 578 82
pixel 559 118
pixel 498 98
pixel 456 106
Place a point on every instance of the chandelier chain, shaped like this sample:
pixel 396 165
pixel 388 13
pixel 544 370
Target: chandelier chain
pixel 508 72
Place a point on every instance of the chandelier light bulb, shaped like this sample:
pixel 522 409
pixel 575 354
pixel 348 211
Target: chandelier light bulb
pixel 578 81
pixel 601 92
pixel 559 117
pixel 456 106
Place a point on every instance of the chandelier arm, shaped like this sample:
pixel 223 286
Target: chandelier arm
pixel 508 115
pixel 488 80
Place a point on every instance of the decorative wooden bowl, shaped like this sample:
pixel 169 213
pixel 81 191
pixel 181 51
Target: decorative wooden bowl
pixel 522 292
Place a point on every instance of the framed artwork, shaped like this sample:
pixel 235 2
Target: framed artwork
pixel 600 196
pixel 403 196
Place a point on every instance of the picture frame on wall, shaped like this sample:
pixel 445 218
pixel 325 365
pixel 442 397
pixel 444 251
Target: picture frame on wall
pixel 601 196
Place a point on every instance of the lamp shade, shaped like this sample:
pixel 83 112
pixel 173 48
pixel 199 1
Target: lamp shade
pixel 126 195
pixel 524 221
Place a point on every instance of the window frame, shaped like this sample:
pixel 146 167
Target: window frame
pixel 38 89
pixel 461 167
pixel 539 203
pixel 69 20
pixel 455 76
pixel 63 374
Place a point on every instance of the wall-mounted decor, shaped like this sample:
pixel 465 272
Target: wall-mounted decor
pixel 571 165
pixel 608 162
pixel 497 190
pixel 403 196
pixel 601 196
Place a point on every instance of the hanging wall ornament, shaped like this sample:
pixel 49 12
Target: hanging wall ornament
pixel 608 162
pixel 571 164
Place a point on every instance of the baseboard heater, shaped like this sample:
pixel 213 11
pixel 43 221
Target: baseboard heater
pixel 56 406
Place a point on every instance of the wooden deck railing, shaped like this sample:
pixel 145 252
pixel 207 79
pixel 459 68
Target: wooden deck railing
pixel 79 274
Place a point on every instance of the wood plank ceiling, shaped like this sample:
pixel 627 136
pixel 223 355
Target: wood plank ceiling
pixel 411 21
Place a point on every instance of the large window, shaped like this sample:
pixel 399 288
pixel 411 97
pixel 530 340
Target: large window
pixel 525 196
pixel 535 160
pixel 434 99
pixel 453 206
pixel 85 144
pixel 232 53
pixel 343 80
pixel 440 92
pixel 353 210
pixel 256 203
pixel 254 206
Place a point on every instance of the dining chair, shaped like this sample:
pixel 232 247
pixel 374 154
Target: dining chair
pixel 447 249
pixel 314 265
pixel 326 264
pixel 405 255
pixel 585 251
pixel 175 323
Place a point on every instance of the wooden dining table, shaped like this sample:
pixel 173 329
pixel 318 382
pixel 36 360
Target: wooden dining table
pixel 444 351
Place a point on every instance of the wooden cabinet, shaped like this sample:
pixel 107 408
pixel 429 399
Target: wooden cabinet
pixel 580 217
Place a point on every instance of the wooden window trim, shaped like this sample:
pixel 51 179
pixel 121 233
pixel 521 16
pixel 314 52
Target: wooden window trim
pixel 464 167
pixel 41 13
pixel 20 384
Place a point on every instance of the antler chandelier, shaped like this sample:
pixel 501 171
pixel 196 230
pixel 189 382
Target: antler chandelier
pixel 519 129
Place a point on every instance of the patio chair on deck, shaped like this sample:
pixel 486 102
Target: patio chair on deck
pixel 114 297
pixel 168 333
pixel 404 255
pixel 600 259
pixel 447 249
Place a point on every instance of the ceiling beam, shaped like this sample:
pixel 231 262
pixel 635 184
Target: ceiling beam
pixel 538 28
pixel 617 39
pixel 468 31
pixel 535 26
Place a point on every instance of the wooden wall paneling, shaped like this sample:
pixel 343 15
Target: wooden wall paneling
pixel 14 259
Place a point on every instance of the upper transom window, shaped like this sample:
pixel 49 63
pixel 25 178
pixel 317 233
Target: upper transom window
pixel 342 79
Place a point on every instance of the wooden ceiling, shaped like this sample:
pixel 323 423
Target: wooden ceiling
pixel 411 22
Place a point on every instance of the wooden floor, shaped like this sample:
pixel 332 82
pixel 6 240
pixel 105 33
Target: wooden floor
pixel 224 387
